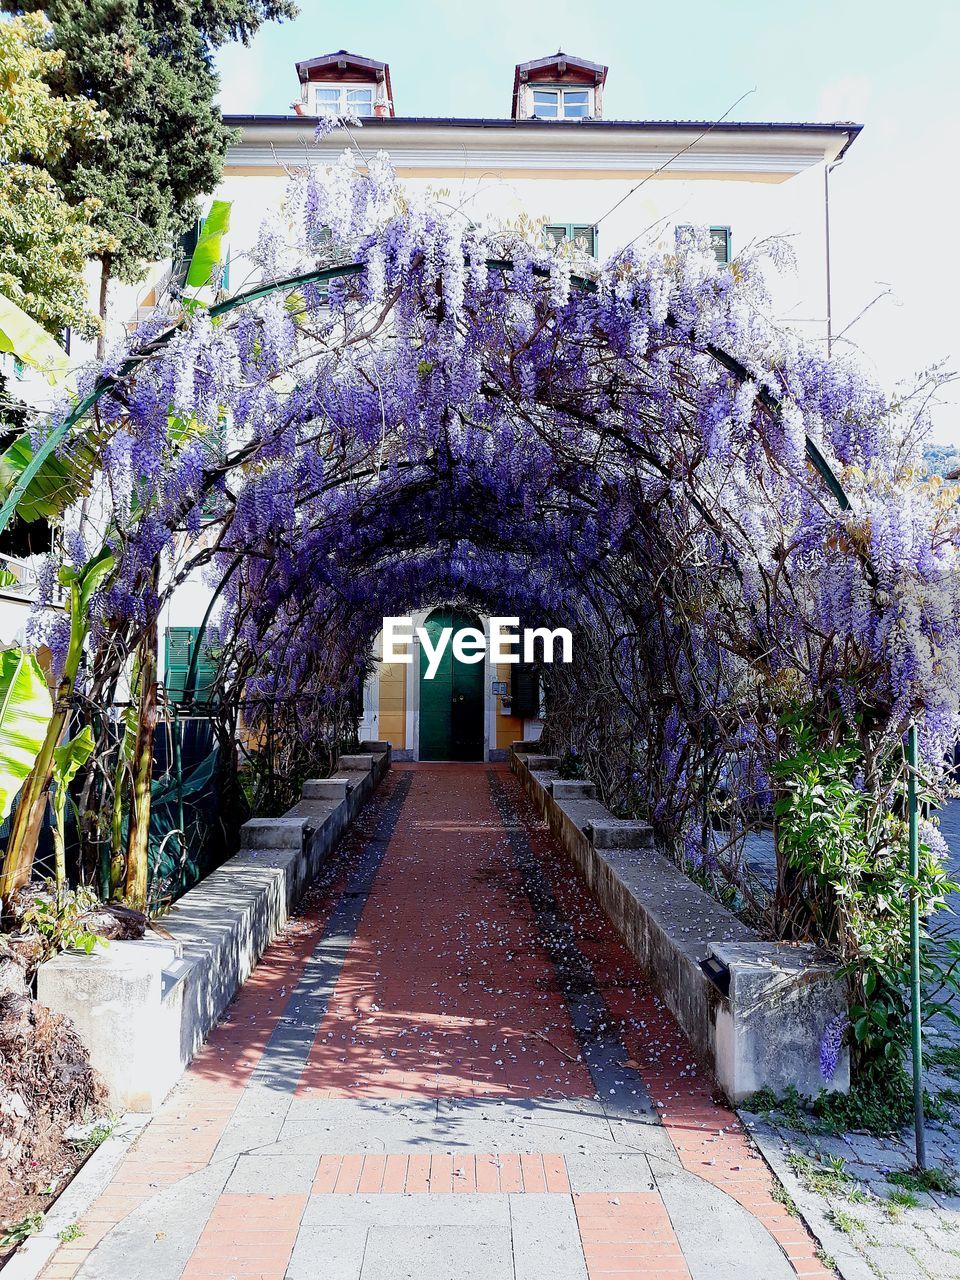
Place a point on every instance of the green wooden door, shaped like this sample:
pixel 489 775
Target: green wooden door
pixel 451 704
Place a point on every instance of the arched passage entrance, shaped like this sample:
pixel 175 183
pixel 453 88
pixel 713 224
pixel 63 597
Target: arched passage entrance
pixel 452 702
pixel 455 415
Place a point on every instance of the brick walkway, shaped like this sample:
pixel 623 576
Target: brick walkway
pixel 448 1068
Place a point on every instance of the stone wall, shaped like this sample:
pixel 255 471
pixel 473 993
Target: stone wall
pixel 144 1008
pixel 759 1022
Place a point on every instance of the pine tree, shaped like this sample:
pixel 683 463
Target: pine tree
pixel 148 64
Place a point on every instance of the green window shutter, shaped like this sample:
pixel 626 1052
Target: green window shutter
pixel 720 244
pixel 525 691
pixel 582 234
pixel 179 647
pixel 720 241
pixel 585 238
pixel 182 253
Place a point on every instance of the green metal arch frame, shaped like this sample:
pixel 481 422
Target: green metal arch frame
pixel 107 381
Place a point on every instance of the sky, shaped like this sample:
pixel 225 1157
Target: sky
pixel 891 65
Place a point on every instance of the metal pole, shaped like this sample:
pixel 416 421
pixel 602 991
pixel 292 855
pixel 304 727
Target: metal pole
pixel 826 230
pixel 178 775
pixel 915 1036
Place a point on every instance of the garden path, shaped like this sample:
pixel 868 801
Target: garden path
pixel 447 1067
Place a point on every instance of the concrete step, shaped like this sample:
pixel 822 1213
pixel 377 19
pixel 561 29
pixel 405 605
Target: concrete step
pixel 334 789
pixel 573 789
pixel 363 762
pixel 619 833
pixel 541 763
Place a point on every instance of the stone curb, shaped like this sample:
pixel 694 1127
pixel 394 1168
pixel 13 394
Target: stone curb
pixel 752 1009
pixel 850 1264
pixel 89 1182
pixel 143 1007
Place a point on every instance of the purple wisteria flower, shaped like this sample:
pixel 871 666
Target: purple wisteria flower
pixel 831 1043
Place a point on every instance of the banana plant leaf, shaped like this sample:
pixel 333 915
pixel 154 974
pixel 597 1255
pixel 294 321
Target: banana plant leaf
pixel 209 250
pixel 88 577
pixel 178 861
pixel 71 756
pixel 25 710
pixel 164 790
pixel 59 483
pixel 30 342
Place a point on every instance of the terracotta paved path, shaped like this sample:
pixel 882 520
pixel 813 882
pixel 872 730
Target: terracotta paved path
pixel 448 1068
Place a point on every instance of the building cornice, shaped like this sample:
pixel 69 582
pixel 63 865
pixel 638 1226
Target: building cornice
pixel 773 150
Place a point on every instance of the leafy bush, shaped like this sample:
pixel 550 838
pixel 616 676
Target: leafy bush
pixel 58 919
pixel 571 765
pixel 843 842
pixel 21 1230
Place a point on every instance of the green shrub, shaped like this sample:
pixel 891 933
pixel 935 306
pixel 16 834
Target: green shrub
pixel 842 840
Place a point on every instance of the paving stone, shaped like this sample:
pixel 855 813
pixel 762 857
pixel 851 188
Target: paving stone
pixel 720 1239
pixel 155 1241
pixel 607 1171
pixel 322 1253
pixel 438 1253
pixel 943 1266
pixel 272 1175
pixel 387 1210
pixel 891 1260
pixel 546 1239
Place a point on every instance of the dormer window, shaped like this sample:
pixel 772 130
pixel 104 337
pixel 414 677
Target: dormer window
pixel 560 87
pixel 343 100
pixel 562 104
pixel 344 84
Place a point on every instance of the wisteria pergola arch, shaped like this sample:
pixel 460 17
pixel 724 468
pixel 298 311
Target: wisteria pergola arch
pixel 734 525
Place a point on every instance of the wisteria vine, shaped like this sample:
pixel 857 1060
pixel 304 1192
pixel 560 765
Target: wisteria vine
pixel 626 448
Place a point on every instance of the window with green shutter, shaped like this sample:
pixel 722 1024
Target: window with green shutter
pixel 182 253
pixel 719 242
pixel 525 691
pixel 581 234
pixel 179 648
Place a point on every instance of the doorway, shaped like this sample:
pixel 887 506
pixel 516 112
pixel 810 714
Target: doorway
pixel 451 704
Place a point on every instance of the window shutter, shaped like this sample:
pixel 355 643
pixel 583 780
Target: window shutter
pixel 525 691
pixel 182 253
pixel 585 238
pixel 180 644
pixel 720 244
